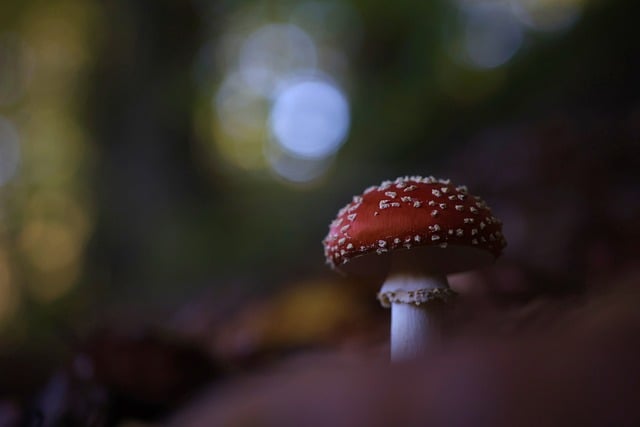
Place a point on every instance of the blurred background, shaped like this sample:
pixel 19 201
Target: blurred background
pixel 169 168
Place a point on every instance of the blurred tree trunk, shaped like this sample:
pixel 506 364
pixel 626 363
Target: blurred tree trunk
pixel 141 109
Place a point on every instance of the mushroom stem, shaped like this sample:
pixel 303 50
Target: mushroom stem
pixel 414 317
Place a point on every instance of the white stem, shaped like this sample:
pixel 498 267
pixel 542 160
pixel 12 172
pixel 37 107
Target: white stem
pixel 413 326
pixel 410 331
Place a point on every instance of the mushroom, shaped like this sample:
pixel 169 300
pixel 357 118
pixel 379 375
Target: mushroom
pixel 413 232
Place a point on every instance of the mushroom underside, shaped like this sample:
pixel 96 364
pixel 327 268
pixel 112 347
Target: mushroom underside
pixel 432 259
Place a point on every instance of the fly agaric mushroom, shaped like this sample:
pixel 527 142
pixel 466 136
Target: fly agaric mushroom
pixel 413 231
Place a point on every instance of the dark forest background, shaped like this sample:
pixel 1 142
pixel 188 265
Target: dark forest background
pixel 162 211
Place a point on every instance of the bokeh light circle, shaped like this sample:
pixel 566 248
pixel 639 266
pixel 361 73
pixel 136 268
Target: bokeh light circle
pixel 274 52
pixel 492 35
pixel 310 118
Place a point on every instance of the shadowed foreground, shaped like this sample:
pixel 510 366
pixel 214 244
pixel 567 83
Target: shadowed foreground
pixel 573 362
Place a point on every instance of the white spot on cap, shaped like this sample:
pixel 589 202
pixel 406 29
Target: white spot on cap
pixel 410 188
pixel 434 227
pixel 461 196
pixel 473 210
pixel 352 216
pixel 406 198
pixel 435 237
pixel 450 231
pixel 384 204
pixel 350 246
pixel 436 192
pixel 474 231
pixel 434 213
pixel 468 220
pixel 482 225
pixel 443 206
pixel 390 194
pixel 459 207
pixel 443 245
pixel 345 228
pixel 342 240
pixel 417 204
pixel 376 213
pixel 432 203
pixel 396 240
pixel 417 238
pixel 452 197
pixel 382 243
pixel 462 188
pixel 444 189
pixel 370 189
pixel 380 251
pixel 459 232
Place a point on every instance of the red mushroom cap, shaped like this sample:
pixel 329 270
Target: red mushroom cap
pixel 443 225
